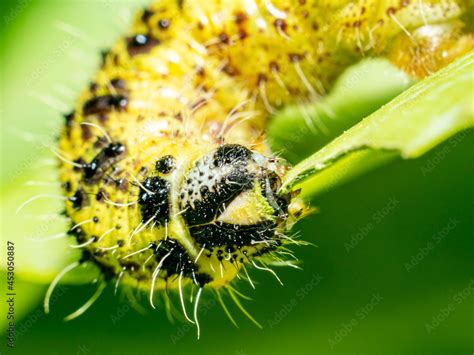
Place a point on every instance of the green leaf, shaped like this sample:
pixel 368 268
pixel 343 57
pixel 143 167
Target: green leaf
pixel 42 248
pixel 300 130
pixel 420 118
pixel 26 298
pixel 34 91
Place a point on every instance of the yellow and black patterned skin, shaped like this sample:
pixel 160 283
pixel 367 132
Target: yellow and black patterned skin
pixel 172 180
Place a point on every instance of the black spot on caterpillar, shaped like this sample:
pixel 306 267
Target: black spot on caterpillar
pixel 141 43
pixel 166 164
pixel 230 235
pixel 104 104
pixel 154 200
pixel 79 199
pixel 111 154
pixel 196 191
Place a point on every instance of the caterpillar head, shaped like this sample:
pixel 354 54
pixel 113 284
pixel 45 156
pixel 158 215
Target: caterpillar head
pixel 198 215
pixel 232 208
pixel 202 219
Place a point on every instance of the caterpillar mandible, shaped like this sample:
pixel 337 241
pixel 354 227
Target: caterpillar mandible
pixel 169 180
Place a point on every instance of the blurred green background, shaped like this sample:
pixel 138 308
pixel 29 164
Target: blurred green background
pixel 392 272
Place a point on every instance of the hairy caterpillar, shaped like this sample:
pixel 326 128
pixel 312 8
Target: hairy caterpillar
pixel 169 179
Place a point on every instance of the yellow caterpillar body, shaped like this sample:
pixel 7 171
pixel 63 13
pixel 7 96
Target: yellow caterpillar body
pixel 164 159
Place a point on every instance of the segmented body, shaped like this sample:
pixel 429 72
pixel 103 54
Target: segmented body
pixel 173 182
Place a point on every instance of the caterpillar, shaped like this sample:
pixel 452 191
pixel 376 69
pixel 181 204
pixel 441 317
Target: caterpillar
pixel 169 179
